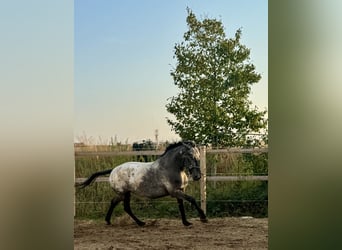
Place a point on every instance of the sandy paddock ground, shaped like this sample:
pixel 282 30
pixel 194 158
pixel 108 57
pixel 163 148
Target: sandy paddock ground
pixel 218 233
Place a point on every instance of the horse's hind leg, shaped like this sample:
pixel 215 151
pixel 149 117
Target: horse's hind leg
pixel 113 204
pixel 128 210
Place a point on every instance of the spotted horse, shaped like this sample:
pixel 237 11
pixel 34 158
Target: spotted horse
pixel 165 176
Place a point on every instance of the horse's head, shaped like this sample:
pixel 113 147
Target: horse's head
pixel 191 156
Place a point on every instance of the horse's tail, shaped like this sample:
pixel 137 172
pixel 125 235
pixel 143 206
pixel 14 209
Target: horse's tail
pixel 92 178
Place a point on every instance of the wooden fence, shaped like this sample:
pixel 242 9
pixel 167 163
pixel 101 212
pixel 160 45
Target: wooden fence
pixel 203 153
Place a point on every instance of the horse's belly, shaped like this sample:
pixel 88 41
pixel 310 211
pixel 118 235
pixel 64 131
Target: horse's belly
pixel 151 190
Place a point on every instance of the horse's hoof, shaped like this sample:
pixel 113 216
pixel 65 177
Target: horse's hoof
pixel 187 223
pixel 204 220
pixel 141 223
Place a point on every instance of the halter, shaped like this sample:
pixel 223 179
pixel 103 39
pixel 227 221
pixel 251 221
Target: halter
pixel 193 167
pixel 190 145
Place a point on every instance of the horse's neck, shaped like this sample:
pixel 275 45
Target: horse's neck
pixel 171 161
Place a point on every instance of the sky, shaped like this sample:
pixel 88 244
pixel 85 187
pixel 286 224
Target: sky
pixel 123 56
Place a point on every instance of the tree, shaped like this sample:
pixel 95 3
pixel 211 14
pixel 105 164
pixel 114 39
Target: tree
pixel 214 76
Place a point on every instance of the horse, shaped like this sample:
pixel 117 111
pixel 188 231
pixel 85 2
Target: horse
pixel 164 177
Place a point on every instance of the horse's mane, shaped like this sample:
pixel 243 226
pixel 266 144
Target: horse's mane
pixel 177 144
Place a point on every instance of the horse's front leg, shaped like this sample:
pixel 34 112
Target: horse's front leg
pixel 182 196
pixel 182 211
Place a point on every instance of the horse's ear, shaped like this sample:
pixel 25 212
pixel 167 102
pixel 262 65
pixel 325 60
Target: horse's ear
pixel 189 144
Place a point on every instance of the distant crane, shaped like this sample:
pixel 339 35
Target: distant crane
pixel 156 137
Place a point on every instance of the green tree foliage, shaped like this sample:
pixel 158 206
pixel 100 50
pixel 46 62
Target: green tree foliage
pixel 214 75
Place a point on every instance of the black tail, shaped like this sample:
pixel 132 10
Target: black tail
pixel 92 178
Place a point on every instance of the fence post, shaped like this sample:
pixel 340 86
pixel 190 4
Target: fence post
pixel 203 182
pixel 74 192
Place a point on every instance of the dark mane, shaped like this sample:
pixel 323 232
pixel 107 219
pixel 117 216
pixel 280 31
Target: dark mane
pixel 177 144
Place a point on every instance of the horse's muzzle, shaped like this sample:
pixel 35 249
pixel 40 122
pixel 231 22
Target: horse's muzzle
pixel 196 177
pixel 195 172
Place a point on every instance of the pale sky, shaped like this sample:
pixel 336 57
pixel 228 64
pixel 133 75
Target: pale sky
pixel 123 55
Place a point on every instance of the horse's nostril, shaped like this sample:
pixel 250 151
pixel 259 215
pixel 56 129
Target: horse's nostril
pixel 197 177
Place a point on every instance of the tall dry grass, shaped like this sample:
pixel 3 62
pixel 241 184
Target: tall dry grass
pixel 224 198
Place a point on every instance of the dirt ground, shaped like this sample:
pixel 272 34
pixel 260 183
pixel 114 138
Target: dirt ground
pixel 218 233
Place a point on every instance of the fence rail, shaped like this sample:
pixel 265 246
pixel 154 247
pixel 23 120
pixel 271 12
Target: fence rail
pixel 209 178
pixel 116 153
pixel 203 152
pixel 159 152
